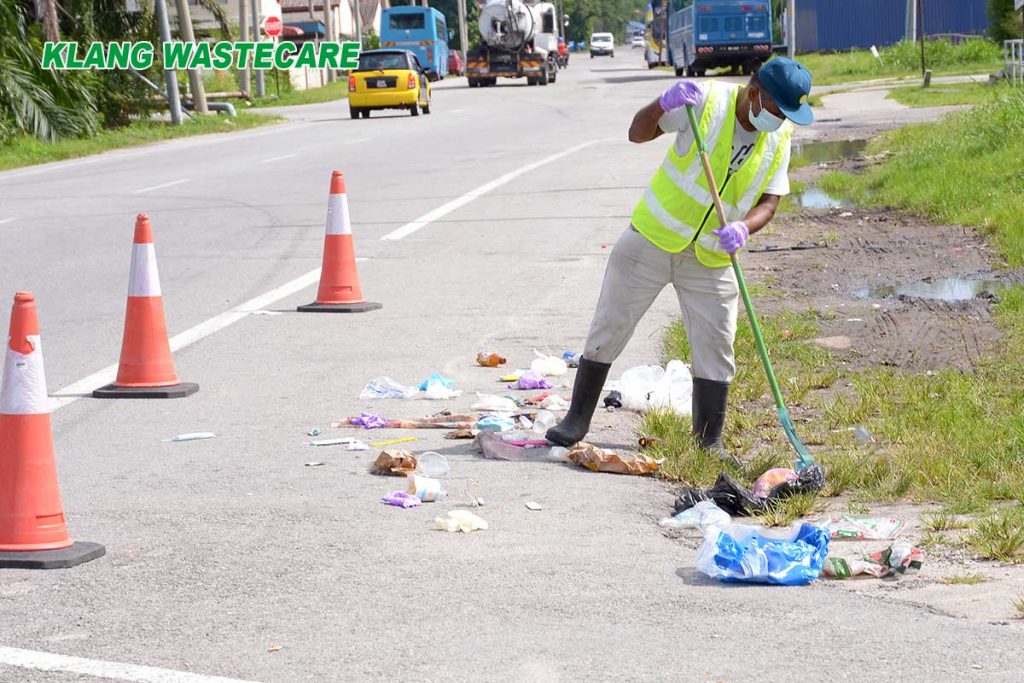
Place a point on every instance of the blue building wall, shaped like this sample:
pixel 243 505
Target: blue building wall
pixel 827 25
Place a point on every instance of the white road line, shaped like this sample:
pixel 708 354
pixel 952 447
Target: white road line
pixel 283 156
pixel 445 209
pixel 161 186
pixel 45 661
pixel 6 220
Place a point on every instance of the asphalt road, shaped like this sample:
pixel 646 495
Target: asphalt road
pixel 229 557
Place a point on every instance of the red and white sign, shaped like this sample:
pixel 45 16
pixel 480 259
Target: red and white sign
pixel 273 26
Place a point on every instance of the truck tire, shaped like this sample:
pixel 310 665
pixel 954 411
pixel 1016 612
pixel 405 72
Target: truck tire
pixel 543 80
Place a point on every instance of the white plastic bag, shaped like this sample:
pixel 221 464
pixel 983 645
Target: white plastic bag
pixel 650 387
pixel 552 366
pixel 703 516
pixel 489 403
pixel 385 387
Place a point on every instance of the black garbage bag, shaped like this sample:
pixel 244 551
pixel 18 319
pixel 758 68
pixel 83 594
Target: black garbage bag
pixel 729 495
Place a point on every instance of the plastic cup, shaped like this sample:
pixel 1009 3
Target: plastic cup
pixel 432 464
pixel 426 489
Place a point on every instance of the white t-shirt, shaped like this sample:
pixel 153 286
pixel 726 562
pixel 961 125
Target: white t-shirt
pixel 743 143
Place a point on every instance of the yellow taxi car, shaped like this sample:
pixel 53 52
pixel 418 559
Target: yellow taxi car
pixel 388 79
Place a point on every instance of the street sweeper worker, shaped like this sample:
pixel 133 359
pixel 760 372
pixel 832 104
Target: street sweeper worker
pixel 675 236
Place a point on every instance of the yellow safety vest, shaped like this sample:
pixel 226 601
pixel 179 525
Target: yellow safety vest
pixel 676 209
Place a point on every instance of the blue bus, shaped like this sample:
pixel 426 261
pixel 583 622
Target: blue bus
pixel 707 34
pixel 421 30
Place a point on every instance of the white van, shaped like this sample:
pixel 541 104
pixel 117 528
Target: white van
pixel 602 44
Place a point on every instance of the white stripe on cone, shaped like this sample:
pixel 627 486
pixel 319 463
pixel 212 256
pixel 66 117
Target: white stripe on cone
pixel 337 215
pixel 144 279
pixel 23 391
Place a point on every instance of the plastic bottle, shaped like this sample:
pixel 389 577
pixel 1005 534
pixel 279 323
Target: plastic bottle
pixel 490 360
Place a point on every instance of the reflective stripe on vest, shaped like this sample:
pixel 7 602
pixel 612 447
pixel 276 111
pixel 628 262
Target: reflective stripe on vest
pixel 677 203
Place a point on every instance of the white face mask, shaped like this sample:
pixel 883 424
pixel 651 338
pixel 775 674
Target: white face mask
pixel 766 122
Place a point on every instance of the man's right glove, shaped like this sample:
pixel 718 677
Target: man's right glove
pixel 681 94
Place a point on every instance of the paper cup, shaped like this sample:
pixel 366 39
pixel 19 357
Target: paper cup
pixel 426 489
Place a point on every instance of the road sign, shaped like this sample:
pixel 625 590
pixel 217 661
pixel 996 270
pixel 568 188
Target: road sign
pixel 272 26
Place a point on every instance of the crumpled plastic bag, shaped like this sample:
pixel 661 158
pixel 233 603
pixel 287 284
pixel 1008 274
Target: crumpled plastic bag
pixel 650 387
pixel 401 499
pixel 599 460
pixel 751 554
pixel 461 520
pixel 701 516
pixel 732 497
pixel 495 423
pixel 772 478
pixel 385 387
pixel 369 421
pixel 398 463
pixel 554 402
pixel 437 390
pixel 895 561
pixel 489 403
pixel 866 529
pixel 531 380
pixel 552 366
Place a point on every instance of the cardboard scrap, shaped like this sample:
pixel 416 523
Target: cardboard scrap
pixel 600 460
pixel 398 463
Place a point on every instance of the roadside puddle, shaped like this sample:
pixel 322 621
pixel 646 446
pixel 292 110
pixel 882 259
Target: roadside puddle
pixel 816 198
pixel 946 289
pixel 833 150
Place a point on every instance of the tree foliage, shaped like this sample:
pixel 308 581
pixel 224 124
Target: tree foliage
pixel 1004 22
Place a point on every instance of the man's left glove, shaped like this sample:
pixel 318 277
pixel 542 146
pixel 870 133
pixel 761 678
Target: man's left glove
pixel 732 236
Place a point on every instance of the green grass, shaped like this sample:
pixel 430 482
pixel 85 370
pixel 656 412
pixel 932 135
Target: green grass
pixel 327 93
pixel 944 95
pixel 943 521
pixel 904 60
pixel 963 580
pixel 27 151
pixel 963 169
pixel 1000 536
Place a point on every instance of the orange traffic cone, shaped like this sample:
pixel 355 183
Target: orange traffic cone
pixel 339 278
pixel 147 368
pixel 33 534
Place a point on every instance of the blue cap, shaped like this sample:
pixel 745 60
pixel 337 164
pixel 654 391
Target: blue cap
pixel 789 85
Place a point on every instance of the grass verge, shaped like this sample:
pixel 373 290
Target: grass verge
pixel 964 169
pixel 948 95
pixel 326 93
pixel 27 151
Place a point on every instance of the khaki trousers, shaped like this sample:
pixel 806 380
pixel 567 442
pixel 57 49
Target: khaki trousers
pixel 637 272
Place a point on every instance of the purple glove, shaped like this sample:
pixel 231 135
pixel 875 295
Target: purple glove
pixel 681 94
pixel 732 237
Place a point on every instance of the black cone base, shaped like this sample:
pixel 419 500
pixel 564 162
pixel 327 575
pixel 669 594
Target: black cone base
pixel 73 555
pixel 173 391
pixel 361 307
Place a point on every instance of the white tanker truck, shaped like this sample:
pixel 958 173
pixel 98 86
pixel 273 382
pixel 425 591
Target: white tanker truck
pixel 517 39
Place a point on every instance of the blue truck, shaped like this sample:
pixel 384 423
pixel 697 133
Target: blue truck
pixel 420 30
pixel 709 34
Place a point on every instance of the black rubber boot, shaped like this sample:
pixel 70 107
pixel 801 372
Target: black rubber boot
pixel 709 403
pixel 587 389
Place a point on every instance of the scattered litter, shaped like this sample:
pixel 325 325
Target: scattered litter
pixel 489 403
pixel 613 400
pixel 434 422
pixel 315 431
pixel 433 465
pixel 529 443
pixel 538 398
pixel 273 648
pixel 438 379
pixel 368 421
pixel 460 520
pixel 512 376
pixel 740 553
pixel 559 454
pixel 315 464
pixel 401 499
pixel 353 444
pixel 385 387
pixel 489 360
pixel 554 402
pixel 846 214
pixel 543 421
pixel 571 358
pixel 475 493
pixel 437 391
pixel 870 529
pixel 531 380
pixel 392 442
pixel 600 460
pixel 495 423
pixel 648 442
pixel 895 561
pixel 772 478
pixel 400 463
pixel 854 320
pixel 493 447
pixel 534 506
pixel 548 365
pixel 427 489
pixel 192 436
pixel 265 312
pixel 651 387
pixel 703 515
pixel 461 434
pixel 736 500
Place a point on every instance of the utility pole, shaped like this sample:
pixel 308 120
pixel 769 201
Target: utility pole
pixel 920 32
pixel 170 77
pixel 195 80
pixel 359 25
pixel 243 35
pixel 462 30
pixel 791 29
pixel 329 35
pixel 261 90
